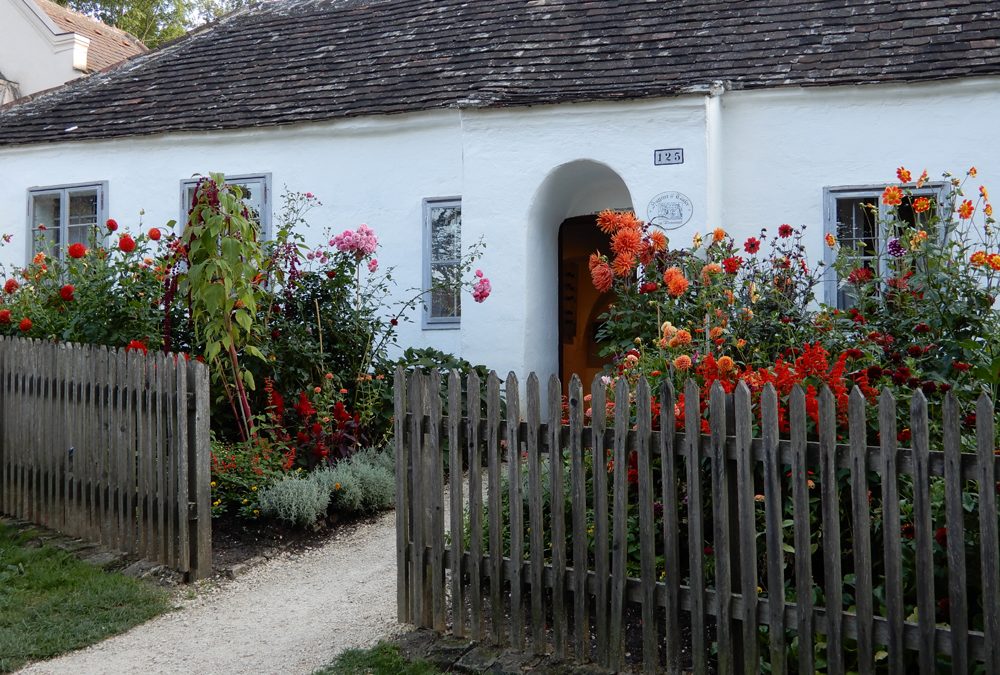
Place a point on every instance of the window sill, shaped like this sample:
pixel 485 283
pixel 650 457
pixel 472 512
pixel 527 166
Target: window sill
pixel 444 325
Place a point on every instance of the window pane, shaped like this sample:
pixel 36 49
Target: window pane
pixel 857 225
pixel 83 208
pixel 446 232
pixel 45 211
pixel 445 291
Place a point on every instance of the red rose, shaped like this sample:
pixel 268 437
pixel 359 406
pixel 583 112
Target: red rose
pixel 751 245
pixel 25 325
pixel 77 250
pixel 154 233
pixel 126 243
pixel 11 286
pixel 66 292
pixel 4 316
pixel 112 224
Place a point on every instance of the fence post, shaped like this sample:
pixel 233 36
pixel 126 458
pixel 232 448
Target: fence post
pixel 199 472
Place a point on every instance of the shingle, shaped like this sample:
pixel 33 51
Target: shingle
pixel 293 61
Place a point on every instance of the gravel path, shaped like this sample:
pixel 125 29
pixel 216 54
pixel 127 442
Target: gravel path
pixel 291 614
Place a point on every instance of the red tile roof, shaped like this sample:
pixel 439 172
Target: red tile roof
pixel 108 45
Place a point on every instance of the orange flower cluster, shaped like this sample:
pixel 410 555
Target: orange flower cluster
pixel 921 204
pixel 892 196
pixel 601 273
pixel 675 281
pixel 629 244
pixel 983 259
pixel 965 209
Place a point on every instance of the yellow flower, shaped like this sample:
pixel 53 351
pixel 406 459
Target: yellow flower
pixel 256 512
pixel 216 502
pixel 246 501
pixel 253 487
pixel 336 487
pixel 212 483
pixel 917 239
pixel 697 240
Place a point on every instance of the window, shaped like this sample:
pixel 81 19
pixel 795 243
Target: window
pixel 442 269
pixel 256 192
pixel 856 216
pixel 64 215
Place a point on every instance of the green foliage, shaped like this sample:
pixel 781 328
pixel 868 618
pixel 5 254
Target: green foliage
pixel 52 603
pixel 152 21
pixel 241 470
pixel 367 482
pixel 383 659
pixel 297 500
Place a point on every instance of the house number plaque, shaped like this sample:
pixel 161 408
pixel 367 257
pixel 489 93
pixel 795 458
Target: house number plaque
pixel 668 156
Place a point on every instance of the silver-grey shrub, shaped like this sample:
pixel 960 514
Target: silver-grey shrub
pixel 366 480
pixel 301 501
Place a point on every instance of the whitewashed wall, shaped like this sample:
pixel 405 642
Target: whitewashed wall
pixel 521 172
pixel 34 52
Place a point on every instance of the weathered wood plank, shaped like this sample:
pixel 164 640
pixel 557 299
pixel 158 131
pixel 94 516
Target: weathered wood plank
pixel 581 618
pixel 399 390
pixel 619 528
pixel 179 412
pixel 417 556
pixel 696 537
pixel 720 534
pixel 474 396
pixel 647 534
pixel 496 508
pixel 170 448
pixel 891 532
pixel 456 508
pixel 923 530
pixel 989 541
pixel 163 495
pixel 833 583
pixel 800 510
pixel 958 609
pixel 774 533
pixel 516 511
pixel 671 528
pixel 598 422
pixel 861 517
pixel 536 516
pixel 558 514
pixel 200 470
pixel 434 507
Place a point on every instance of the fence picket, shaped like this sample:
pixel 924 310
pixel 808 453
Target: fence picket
pixel 417 555
pixel 495 509
pixel 557 511
pixel 647 535
pixel 671 528
pixel 581 618
pixel 720 535
pixel 774 533
pixel 456 508
pixel 923 530
pixel 619 534
pixel 535 516
pixel 598 424
pixel 516 511
pixel 990 546
pixel 891 532
pixel 474 396
pixel 833 589
pixel 861 520
pixel 748 526
pixel 696 563
pixel 433 505
pixel 958 612
pixel 403 611
pixel 800 507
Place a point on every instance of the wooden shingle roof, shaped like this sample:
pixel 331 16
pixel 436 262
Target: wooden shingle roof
pixel 294 61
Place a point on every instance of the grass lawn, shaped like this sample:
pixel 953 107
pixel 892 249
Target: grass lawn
pixel 382 659
pixel 51 603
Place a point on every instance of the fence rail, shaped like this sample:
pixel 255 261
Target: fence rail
pixel 110 446
pixel 690 529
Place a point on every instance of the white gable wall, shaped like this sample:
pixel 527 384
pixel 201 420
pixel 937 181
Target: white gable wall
pixel 34 52
pixel 521 171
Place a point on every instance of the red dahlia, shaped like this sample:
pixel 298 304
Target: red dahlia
pixel 4 316
pixel 785 231
pixel 11 286
pixel 25 325
pixel 66 292
pixel 154 233
pixel 112 224
pixel 126 243
pixel 77 250
pixel 751 245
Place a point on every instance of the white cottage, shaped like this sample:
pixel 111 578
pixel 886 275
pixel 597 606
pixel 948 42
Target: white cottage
pixel 520 119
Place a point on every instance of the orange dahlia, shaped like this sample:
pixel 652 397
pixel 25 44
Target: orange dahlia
pixel 659 241
pixel 892 196
pixel 682 362
pixel 623 265
pixel 627 241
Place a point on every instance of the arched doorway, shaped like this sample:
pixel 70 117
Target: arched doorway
pixel 561 304
pixel 580 304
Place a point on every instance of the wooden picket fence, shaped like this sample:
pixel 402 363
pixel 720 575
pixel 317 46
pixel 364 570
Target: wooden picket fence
pixel 109 446
pixel 725 498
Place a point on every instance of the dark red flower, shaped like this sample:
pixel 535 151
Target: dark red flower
pixel 112 224
pixel 126 243
pixel 304 407
pixel 137 346
pixel 860 275
pixel 154 233
pixel 854 353
pixel 961 366
pixel 914 350
pixel 969 421
pixel 907 531
pixel 944 606
pixel 4 316
pixel 913 383
pixel 25 325
pixel 921 328
pixel 11 286
pixel 648 287
pixel 66 292
pixel 874 372
pixel 708 550
pixel 732 264
pixel 944 387
pixel 77 250
pixel 785 230
pixel 904 436
pixel 941 536
pixel 751 245
pixel 929 386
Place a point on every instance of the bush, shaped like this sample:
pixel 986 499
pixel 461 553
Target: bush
pixel 298 500
pixel 367 482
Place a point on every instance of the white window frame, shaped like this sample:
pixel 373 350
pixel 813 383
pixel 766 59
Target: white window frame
pixel 937 191
pixel 264 179
pixel 64 191
pixel 437 322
